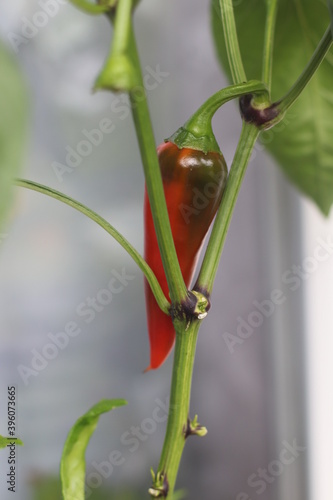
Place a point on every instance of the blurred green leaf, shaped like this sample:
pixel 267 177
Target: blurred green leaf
pixel 13 121
pixel 4 441
pixel 73 464
pixel 46 487
pixel 302 143
pixel 49 488
pixel 330 6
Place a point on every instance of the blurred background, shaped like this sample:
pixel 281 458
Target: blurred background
pixel 266 400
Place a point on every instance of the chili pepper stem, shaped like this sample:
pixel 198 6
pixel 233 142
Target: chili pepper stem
pixel 174 442
pixel 197 132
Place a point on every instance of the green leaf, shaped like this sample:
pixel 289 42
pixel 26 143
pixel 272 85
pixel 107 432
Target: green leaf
pixel 151 278
pixel 73 464
pixel 4 441
pixel 302 143
pixel 13 115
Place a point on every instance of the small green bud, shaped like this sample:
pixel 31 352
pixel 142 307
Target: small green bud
pixel 202 305
pixel 160 486
pixel 194 428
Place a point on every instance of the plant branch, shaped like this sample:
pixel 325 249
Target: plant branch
pixel 151 278
pixel 231 41
pixel 315 61
pixel 272 7
pixel 174 441
pixel 214 249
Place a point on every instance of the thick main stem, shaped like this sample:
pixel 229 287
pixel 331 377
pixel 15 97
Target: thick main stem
pixel 179 402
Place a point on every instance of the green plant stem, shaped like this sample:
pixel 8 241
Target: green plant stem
pixel 214 249
pixel 122 27
pixel 154 185
pixel 151 278
pixel 174 441
pixel 272 7
pixel 315 61
pixel 231 41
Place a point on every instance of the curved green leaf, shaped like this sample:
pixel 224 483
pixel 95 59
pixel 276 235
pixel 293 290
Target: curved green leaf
pixel 150 276
pixel 13 115
pixel 73 464
pixel 5 441
pixel 302 143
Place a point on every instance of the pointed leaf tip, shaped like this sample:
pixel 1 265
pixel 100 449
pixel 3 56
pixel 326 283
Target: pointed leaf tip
pixel 73 465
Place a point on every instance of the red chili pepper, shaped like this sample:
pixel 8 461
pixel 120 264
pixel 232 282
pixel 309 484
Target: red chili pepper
pixel 193 186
